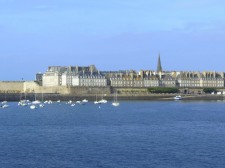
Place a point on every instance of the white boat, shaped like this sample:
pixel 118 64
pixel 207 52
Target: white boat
pixel 41 105
pixel 78 102
pixel 5 106
pixel 115 102
pixel 84 101
pixel 33 107
pixel 4 102
pixel 22 103
pixel 177 97
pixel 73 105
pixel 69 102
pixel 96 100
pixel 58 101
pixel 36 102
pixel 103 101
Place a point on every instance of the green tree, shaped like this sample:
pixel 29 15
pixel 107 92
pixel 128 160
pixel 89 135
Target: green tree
pixel 209 90
pixel 163 90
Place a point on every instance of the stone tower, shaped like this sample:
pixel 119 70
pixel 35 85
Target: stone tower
pixel 159 66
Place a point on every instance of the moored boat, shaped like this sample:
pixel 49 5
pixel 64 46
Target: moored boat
pixel 177 97
pixel 103 101
pixel 4 106
pixel 41 105
pixel 115 102
pixel 84 101
pixel 33 107
pixel 4 102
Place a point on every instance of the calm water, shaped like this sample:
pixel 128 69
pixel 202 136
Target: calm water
pixel 134 135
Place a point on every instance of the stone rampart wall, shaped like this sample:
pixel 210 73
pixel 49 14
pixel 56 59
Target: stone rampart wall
pixel 11 86
pixel 89 90
pixel 30 87
pixel 33 87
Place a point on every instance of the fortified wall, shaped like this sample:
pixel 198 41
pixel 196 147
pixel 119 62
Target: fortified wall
pixel 18 87
pixel 89 90
pixel 29 87
pixel 11 86
pixel 33 87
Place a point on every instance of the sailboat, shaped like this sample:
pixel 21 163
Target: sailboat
pixel 96 101
pixel 35 101
pixel 84 101
pixel 41 104
pixel 115 102
pixel 103 100
pixel 23 102
pixel 4 103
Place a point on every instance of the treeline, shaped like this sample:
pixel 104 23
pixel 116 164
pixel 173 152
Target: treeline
pixel 176 90
pixel 209 90
pixel 163 90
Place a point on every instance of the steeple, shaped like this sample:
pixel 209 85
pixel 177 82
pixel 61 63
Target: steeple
pixel 159 66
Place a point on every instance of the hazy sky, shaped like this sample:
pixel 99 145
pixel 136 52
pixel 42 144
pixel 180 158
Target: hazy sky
pixel 112 34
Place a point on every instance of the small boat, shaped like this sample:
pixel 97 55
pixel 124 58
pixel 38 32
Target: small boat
pixel 103 101
pixel 96 101
pixel 72 105
pixel 177 97
pixel 5 106
pixel 41 105
pixel 115 102
pixel 69 102
pixel 22 103
pixel 36 102
pixel 33 107
pixel 84 101
pixel 4 102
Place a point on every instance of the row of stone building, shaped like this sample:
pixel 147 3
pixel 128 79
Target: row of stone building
pixel 89 76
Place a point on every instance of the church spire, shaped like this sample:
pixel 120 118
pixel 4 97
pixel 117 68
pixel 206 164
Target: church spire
pixel 159 66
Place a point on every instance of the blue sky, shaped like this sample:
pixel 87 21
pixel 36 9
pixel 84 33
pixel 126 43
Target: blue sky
pixel 113 35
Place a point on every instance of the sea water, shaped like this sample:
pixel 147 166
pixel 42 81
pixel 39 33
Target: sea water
pixel 137 134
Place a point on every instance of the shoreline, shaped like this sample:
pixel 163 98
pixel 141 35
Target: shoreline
pixel 91 97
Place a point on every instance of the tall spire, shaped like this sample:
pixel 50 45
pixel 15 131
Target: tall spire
pixel 159 66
